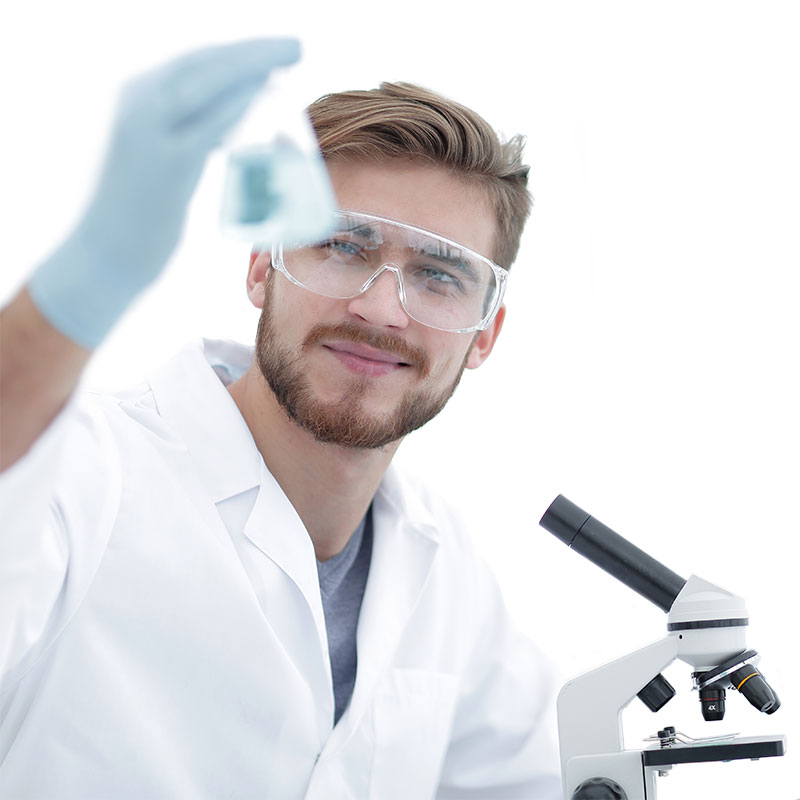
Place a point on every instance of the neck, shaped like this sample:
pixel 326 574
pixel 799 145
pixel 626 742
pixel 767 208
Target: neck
pixel 330 487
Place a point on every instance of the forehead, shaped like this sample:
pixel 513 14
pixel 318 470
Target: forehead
pixel 422 195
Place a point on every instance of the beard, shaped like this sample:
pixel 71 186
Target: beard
pixel 345 422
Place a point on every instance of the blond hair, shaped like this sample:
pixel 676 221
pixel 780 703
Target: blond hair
pixel 401 120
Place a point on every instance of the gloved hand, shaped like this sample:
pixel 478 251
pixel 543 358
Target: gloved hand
pixel 167 122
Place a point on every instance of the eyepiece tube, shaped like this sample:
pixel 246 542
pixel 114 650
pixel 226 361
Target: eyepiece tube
pixel 609 551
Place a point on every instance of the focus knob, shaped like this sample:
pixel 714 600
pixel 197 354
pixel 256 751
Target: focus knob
pixel 599 789
pixel 657 693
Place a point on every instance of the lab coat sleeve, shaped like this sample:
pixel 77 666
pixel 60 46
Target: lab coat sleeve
pixel 57 505
pixel 503 742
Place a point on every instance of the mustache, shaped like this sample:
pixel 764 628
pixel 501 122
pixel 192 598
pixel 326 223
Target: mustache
pixel 348 331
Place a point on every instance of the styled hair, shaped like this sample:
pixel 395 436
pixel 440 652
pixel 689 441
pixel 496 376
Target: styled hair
pixel 404 121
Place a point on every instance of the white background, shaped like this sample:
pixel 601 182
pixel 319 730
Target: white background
pixel 648 367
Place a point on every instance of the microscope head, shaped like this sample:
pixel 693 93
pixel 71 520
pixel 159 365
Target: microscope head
pixel 710 624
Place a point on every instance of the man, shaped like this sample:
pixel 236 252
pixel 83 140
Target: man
pixel 215 584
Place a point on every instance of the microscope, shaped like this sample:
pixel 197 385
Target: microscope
pixel 705 628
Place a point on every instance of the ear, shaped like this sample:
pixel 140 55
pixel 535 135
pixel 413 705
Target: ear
pixel 484 341
pixel 260 263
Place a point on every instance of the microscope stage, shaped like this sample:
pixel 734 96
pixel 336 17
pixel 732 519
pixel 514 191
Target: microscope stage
pixel 741 747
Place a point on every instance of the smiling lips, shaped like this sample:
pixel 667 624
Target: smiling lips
pixel 365 360
pixel 366 352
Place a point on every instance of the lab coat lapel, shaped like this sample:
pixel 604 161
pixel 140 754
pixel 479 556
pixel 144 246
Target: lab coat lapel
pixel 404 548
pixel 275 528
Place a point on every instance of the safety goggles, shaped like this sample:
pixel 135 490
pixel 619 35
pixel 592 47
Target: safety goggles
pixel 440 283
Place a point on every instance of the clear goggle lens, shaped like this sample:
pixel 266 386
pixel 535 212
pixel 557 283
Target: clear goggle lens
pixel 440 283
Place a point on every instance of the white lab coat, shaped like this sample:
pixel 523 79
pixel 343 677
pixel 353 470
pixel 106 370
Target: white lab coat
pixel 162 633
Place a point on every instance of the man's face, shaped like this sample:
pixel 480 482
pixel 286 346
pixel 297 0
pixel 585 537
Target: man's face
pixel 360 372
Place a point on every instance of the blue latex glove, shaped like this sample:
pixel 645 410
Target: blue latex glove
pixel 167 123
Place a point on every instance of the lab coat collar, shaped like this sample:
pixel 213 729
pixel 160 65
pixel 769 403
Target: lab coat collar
pixel 193 400
pixel 405 501
pixel 191 397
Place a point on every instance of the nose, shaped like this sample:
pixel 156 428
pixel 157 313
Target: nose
pixel 379 304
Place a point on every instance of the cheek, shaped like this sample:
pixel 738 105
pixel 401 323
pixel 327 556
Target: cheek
pixel 297 310
pixel 448 356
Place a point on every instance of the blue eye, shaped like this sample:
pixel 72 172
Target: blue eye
pixel 341 247
pixel 441 281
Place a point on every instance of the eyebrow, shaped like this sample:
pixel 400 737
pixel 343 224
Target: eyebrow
pixel 360 229
pixel 369 233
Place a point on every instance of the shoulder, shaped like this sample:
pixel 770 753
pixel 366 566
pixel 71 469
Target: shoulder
pixel 155 404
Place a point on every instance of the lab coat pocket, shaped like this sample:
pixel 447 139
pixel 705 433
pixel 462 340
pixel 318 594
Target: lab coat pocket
pixel 413 716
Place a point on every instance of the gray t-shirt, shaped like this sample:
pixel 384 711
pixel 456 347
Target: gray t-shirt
pixel 342 580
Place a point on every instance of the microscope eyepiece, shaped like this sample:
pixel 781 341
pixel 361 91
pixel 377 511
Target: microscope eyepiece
pixel 612 553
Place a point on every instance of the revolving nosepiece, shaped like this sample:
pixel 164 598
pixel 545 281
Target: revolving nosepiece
pixel 740 673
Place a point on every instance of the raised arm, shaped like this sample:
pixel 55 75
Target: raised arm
pixel 167 122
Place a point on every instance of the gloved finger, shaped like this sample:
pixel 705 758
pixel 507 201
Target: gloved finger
pixel 217 119
pixel 200 79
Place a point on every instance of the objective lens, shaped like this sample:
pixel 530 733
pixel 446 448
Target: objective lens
pixel 712 703
pixel 752 685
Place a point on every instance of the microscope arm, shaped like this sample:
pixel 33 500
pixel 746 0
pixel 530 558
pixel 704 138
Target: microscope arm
pixel 590 720
pixel 590 706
